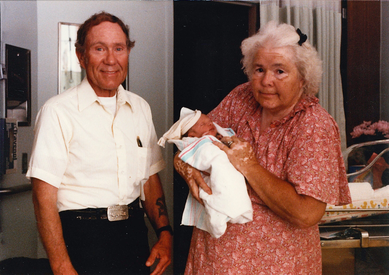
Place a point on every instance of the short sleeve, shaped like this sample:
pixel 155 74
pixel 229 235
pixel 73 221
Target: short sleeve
pixel 49 155
pixel 157 163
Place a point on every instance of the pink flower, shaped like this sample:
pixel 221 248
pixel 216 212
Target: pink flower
pixel 383 127
pixel 369 129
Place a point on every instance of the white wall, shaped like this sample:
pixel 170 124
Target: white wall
pixel 17 222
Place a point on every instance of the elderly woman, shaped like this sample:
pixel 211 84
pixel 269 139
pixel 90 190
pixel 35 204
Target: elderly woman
pixel 288 149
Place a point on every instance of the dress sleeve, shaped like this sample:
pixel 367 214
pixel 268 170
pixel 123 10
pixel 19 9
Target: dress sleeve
pixel 315 164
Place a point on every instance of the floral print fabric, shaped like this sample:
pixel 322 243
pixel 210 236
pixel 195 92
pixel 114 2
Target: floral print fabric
pixel 304 149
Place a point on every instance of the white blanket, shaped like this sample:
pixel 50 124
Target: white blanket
pixel 229 201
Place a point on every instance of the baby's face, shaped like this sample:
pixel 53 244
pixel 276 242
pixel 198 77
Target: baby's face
pixel 203 126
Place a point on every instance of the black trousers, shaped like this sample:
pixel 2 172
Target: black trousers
pixel 103 247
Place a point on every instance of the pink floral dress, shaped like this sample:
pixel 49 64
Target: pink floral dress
pixel 302 148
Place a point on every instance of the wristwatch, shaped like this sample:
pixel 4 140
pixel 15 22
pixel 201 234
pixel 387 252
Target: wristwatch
pixel 164 228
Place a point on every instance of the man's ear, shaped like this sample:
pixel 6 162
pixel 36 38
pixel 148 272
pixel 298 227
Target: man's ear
pixel 81 59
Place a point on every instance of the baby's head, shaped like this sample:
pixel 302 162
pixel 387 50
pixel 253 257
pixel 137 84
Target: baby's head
pixel 203 126
pixel 191 124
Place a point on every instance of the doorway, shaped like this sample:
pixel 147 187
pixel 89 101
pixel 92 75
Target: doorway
pixel 207 38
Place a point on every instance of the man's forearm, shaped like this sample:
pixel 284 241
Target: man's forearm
pixel 154 204
pixel 49 227
pixel 156 211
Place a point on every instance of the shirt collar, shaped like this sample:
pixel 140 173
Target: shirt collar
pixel 87 96
pixel 123 97
pixel 305 102
pixel 301 106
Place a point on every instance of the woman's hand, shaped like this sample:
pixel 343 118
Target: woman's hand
pixel 239 152
pixel 193 178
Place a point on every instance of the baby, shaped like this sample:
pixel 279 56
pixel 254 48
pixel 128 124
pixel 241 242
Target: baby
pixel 194 134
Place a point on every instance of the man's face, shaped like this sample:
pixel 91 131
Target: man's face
pixel 105 58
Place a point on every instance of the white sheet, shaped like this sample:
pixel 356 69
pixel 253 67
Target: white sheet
pixel 361 191
pixel 365 202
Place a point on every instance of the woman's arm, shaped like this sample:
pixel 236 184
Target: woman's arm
pixel 279 195
pixel 192 176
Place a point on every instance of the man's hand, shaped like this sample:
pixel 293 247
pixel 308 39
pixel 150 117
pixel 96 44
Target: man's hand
pixel 162 250
pixel 67 269
pixel 155 208
pixel 193 178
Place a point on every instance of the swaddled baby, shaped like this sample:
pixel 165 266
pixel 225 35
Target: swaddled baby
pixel 194 134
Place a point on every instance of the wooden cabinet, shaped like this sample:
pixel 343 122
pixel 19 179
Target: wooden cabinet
pixel 361 63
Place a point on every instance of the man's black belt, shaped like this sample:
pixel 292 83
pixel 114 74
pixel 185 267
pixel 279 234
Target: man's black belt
pixel 112 213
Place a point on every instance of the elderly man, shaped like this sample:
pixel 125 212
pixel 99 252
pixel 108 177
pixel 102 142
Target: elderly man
pixel 95 158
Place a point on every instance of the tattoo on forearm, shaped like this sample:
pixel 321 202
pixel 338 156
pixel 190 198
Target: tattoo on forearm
pixel 161 206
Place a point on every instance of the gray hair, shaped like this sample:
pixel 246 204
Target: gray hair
pixel 274 35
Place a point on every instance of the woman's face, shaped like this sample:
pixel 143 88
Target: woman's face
pixel 276 82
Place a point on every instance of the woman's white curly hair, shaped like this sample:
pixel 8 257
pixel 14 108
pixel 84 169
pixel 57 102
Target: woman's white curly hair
pixel 274 35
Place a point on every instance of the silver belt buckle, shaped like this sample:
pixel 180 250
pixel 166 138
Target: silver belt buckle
pixel 117 213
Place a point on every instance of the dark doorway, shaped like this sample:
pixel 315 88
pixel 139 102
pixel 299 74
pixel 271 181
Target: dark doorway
pixel 361 40
pixel 207 37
